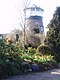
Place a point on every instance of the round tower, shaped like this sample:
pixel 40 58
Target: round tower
pixel 34 20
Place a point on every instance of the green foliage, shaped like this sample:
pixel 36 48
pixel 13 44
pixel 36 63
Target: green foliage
pixel 8 58
pixel 26 57
pixel 9 68
pixel 31 51
pixel 53 35
pixel 44 49
pixel 42 58
pixel 14 60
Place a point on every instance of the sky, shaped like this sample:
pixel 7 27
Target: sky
pixel 10 13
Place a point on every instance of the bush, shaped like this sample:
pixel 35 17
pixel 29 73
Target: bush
pixel 14 60
pixel 26 57
pixel 45 49
pixel 31 51
pixel 9 69
pixel 25 66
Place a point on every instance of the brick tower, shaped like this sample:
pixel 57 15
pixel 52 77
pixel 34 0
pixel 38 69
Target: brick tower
pixel 34 21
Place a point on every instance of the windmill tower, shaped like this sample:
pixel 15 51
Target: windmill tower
pixel 34 21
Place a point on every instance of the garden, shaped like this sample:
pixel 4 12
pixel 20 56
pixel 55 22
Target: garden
pixel 16 60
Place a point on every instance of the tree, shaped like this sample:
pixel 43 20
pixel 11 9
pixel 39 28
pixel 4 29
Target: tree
pixel 53 35
pixel 25 4
pixel 27 34
pixel 33 40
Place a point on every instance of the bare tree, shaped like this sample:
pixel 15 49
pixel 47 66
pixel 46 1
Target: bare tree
pixel 25 4
pixel 27 34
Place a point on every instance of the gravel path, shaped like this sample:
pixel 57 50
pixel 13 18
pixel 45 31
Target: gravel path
pixel 48 75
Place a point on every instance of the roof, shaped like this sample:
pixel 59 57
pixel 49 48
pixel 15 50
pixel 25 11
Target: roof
pixel 34 6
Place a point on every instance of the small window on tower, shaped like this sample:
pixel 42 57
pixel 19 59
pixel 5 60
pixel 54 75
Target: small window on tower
pixel 36 26
pixel 36 30
pixel 41 29
pixel 32 9
pixel 37 9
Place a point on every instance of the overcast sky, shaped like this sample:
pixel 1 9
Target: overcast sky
pixel 9 13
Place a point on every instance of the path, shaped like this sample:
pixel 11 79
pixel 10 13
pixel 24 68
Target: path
pixel 48 75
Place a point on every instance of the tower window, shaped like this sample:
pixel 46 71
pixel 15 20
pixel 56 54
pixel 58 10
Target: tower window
pixel 36 18
pixel 32 9
pixel 37 9
pixel 36 30
pixel 41 29
pixel 36 26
